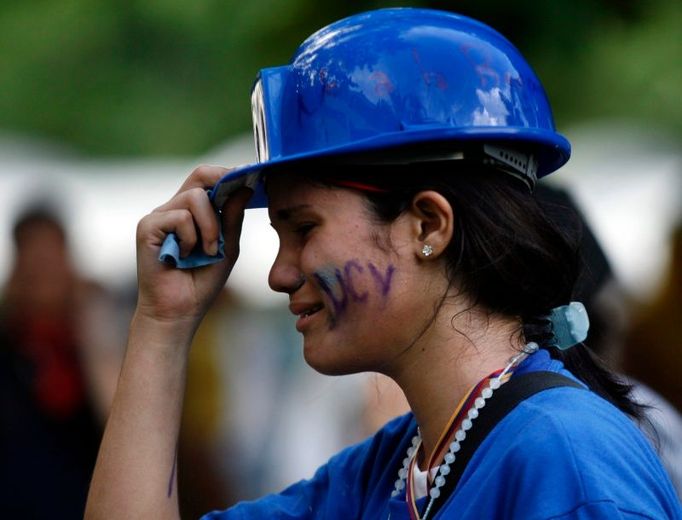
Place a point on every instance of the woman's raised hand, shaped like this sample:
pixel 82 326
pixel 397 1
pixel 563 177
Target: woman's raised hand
pixel 182 296
pixel 135 473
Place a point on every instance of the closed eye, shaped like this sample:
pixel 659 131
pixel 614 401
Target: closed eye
pixel 303 229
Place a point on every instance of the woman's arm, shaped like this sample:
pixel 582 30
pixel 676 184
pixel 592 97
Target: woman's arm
pixel 135 472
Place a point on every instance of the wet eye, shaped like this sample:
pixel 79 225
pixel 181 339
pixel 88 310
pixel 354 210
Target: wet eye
pixel 303 229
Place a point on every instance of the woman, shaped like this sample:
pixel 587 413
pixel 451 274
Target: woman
pixel 397 152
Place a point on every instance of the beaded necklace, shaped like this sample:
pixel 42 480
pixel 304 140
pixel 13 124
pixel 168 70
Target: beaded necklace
pixel 461 421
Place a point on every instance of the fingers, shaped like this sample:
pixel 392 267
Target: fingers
pixel 195 200
pixel 191 216
pixel 192 196
pixel 155 227
pixel 204 176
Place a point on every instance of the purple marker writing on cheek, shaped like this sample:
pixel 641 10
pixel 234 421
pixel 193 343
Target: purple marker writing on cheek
pixel 341 285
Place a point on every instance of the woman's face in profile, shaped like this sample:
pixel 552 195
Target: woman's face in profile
pixel 354 283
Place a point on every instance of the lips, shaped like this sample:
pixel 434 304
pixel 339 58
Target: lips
pixel 305 311
pixel 312 310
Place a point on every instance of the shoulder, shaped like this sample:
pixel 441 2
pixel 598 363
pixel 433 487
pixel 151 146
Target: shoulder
pixel 565 449
pixel 588 435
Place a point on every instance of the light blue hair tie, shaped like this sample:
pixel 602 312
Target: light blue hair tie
pixel 569 325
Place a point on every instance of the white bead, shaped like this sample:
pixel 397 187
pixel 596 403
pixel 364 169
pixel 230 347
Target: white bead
pixel 460 436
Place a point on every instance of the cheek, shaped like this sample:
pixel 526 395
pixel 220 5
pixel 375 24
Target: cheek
pixel 357 283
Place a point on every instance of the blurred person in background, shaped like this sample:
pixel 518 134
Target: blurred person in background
pixel 653 351
pixel 49 426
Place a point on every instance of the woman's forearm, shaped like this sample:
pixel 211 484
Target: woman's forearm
pixel 135 472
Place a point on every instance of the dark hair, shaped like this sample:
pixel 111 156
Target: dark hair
pixel 37 215
pixel 507 254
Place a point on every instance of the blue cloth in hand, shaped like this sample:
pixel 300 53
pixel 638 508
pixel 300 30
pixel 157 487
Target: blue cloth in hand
pixel 170 253
pixel 170 249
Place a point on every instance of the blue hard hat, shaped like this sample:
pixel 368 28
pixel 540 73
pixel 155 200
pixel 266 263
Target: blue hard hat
pixel 401 84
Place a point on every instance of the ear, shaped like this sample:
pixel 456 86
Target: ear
pixel 433 223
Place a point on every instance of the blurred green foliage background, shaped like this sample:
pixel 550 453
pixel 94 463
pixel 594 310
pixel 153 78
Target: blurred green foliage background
pixel 172 77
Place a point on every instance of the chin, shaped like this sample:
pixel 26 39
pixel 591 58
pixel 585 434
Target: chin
pixel 332 360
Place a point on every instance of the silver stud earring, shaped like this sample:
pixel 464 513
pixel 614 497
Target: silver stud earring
pixel 427 250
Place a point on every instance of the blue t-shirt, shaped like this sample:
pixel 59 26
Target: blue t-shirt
pixel 564 453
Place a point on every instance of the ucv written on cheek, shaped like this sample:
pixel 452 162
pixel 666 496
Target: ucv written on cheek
pixel 341 284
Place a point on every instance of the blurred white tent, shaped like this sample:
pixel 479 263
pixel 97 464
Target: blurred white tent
pixel 627 180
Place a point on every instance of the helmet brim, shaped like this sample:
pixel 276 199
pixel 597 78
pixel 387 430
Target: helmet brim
pixel 551 150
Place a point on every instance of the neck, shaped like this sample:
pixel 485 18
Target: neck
pixel 438 370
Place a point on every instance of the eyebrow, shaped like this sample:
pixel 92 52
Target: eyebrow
pixel 285 214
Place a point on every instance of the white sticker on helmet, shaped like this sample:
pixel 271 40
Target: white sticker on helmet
pixel 260 129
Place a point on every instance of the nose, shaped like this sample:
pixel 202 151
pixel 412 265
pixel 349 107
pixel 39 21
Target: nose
pixel 284 275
